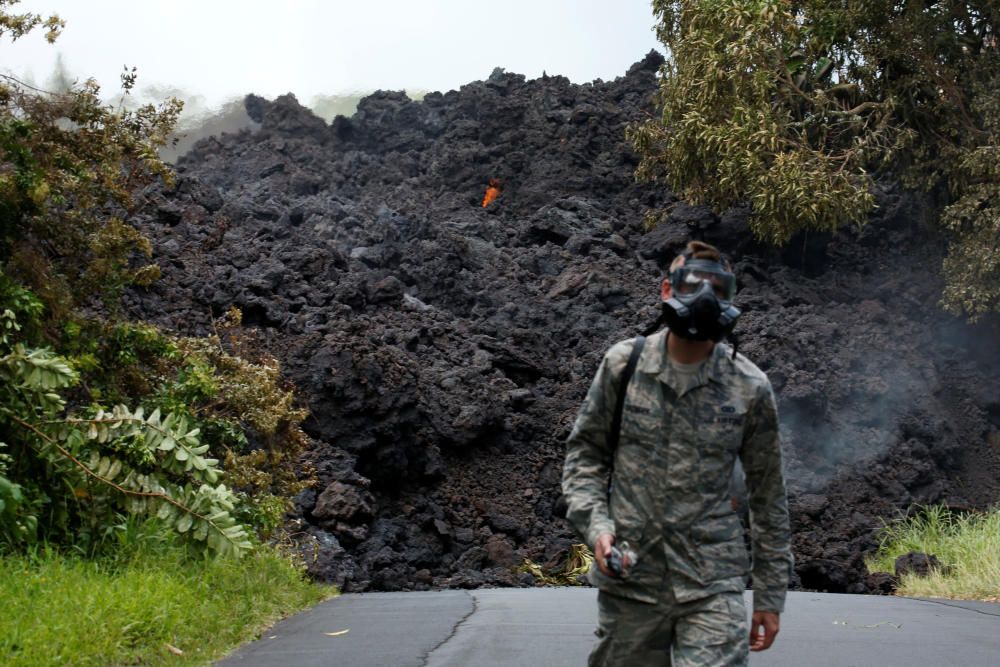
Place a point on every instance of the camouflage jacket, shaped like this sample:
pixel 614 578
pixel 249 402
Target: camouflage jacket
pixel 669 495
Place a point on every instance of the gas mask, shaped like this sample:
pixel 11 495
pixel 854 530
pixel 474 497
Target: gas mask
pixel 700 306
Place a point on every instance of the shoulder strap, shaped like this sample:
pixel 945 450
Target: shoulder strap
pixel 616 420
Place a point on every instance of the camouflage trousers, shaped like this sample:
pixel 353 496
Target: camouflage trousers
pixel 712 632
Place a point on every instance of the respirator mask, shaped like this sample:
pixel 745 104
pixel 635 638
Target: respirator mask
pixel 700 306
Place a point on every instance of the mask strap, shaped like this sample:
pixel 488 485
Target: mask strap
pixel 656 325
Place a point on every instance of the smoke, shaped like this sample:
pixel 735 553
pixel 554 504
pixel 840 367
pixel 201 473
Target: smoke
pixel 60 80
pixel 847 422
pixel 199 119
pixel 328 107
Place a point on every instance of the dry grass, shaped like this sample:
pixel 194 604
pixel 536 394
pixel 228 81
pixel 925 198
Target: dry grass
pixel 577 564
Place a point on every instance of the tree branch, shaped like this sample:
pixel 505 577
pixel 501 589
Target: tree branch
pixel 78 463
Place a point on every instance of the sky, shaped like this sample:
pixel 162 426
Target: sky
pixel 221 49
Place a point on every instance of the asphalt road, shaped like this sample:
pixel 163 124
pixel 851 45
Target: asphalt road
pixel 550 627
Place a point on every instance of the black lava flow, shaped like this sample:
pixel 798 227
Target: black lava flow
pixel 444 347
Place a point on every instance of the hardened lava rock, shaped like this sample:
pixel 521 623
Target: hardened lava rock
pixel 444 347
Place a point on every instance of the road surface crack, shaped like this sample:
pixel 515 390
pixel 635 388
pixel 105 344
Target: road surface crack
pixel 957 606
pixel 454 629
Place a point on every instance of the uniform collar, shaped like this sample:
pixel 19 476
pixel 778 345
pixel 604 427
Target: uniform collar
pixel 654 361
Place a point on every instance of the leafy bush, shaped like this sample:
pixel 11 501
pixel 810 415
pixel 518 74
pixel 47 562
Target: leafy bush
pixel 86 468
pixel 102 418
pixel 797 107
pixel 250 416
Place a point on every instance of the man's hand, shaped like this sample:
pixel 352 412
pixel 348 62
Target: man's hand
pixel 602 551
pixel 763 630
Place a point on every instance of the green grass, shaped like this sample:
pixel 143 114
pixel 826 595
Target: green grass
pixel 126 608
pixel 968 544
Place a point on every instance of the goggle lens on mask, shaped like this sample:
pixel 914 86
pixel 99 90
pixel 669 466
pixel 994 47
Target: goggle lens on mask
pixel 687 280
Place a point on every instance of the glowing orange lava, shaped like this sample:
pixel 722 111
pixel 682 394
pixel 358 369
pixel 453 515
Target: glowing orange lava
pixel 492 192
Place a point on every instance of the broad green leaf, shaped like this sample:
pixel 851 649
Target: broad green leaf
pixel 201 532
pixel 214 541
pixel 184 523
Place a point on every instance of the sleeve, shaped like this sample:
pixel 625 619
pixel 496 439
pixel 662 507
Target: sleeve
pixel 769 525
pixel 588 456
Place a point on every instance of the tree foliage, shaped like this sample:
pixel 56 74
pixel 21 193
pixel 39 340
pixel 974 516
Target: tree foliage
pixel 204 414
pixel 71 167
pixel 795 107
pixel 116 459
pixel 100 417
pixel 249 413
pixel 15 25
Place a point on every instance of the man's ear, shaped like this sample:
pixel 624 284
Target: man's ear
pixel 665 289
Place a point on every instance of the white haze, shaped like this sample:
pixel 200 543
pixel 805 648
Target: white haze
pixel 215 50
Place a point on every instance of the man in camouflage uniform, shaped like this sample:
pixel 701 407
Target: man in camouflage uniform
pixel 691 408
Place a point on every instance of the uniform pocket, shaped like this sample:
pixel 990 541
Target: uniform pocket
pixel 718 447
pixel 715 632
pixel 721 553
pixel 639 439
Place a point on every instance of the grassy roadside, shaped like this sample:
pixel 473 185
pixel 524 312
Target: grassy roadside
pixel 141 608
pixel 968 545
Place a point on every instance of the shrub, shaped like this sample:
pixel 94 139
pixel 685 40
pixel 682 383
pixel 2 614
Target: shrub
pixel 796 108
pixel 101 418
